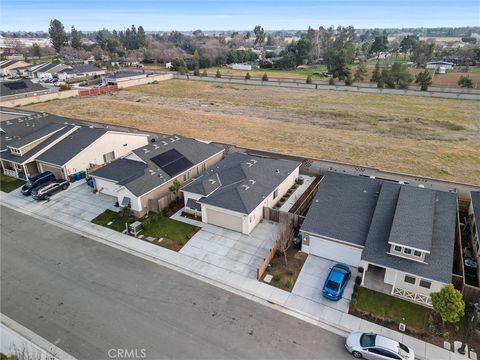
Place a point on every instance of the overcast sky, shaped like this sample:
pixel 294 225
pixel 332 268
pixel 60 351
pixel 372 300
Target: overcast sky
pixel 33 15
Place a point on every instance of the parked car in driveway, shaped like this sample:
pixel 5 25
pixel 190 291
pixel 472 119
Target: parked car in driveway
pixel 336 282
pixel 45 191
pixel 36 181
pixel 373 346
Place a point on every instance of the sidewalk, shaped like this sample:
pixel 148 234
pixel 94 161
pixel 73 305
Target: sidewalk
pixel 303 308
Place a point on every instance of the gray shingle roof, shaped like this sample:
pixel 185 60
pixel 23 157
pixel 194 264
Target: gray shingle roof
pixel 7 63
pixel 81 68
pixel 475 195
pixel 123 74
pixel 343 207
pixel 152 175
pixel 69 147
pixel 121 171
pixel 413 220
pixel 44 131
pixel 438 264
pixel 233 184
pixel 6 155
pixel 16 87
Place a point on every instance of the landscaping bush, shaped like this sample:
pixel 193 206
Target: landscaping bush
pixel 276 276
pixel 265 77
pixel 218 74
pixel 358 280
pixel 288 282
pixel 331 81
pixel 204 72
pixel 247 76
pixel 309 79
pixel 196 72
pixel 360 270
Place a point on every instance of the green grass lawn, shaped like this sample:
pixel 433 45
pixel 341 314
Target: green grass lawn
pixel 8 183
pixel 175 233
pixel 391 308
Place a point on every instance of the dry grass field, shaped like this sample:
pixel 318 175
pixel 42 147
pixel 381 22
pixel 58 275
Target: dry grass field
pixel 425 136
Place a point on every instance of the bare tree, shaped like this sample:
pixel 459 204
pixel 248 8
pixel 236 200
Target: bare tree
pixel 285 236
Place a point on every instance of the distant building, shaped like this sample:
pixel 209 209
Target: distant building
pixel 241 67
pixel 7 66
pixel 436 65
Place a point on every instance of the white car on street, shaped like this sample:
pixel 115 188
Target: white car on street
pixel 377 347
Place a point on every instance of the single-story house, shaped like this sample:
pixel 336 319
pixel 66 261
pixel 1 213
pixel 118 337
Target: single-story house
pixel 435 65
pixel 142 178
pixel 6 66
pixel 48 70
pixel 21 87
pixel 403 236
pixel 79 71
pixel 43 142
pixel 119 76
pixel 474 216
pixel 233 193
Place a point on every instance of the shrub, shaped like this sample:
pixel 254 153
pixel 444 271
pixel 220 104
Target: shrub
pixel 380 84
pixel 218 74
pixel 276 276
pixel 288 282
pixel 64 86
pixel 360 270
pixel 331 81
pixel 348 80
pixel 358 280
pixel 204 73
pixel 196 72
pixel 465 82
pixel 265 77
pixel 309 79
pixel 247 76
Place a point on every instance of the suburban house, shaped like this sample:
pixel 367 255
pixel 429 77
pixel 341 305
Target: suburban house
pixel 21 87
pixel 79 71
pixel 403 236
pixel 119 76
pixel 435 65
pixel 474 215
pixel 233 193
pixel 43 142
pixel 142 178
pixel 48 70
pixel 6 66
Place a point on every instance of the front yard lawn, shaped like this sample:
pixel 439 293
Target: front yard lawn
pixel 175 233
pixel 8 183
pixel 391 308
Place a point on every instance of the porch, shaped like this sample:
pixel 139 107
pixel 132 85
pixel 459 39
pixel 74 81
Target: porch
pixel 13 169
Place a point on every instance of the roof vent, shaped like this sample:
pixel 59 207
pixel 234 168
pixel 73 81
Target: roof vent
pixel 20 120
pixel 421 186
pixel 211 181
pixel 252 181
pixel 8 122
pixel 246 187
pixel 277 171
pixel 164 143
pixel 146 151
pixel 249 164
pixel 176 137
pixel 156 146
pixel 172 139
pixel 151 172
pixel 253 161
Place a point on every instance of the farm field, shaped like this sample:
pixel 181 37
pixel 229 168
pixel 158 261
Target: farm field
pixel 425 136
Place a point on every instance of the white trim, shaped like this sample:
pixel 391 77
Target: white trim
pixel 335 240
pixel 408 246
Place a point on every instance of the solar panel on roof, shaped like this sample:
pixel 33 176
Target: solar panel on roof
pixel 177 166
pixel 17 85
pixel 167 157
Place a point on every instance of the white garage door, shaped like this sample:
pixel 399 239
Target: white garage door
pixel 335 251
pixel 57 171
pixel 222 219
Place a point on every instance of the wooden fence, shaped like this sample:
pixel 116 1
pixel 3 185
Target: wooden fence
pixel 283 217
pixel 98 91
pixel 261 270
pixel 303 203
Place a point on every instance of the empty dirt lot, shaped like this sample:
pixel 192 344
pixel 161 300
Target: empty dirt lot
pixel 425 136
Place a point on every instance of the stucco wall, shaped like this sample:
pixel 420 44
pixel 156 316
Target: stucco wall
pixel 144 80
pixel 20 101
pixel 120 143
pixel 111 188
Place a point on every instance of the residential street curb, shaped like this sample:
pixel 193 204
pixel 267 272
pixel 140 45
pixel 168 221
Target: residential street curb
pixel 35 340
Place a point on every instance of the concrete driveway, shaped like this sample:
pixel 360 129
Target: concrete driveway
pixel 231 250
pixel 310 281
pixel 78 200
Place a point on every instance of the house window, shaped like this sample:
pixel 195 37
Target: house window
pixel 186 176
pixel 407 251
pixel 109 157
pixel 417 253
pixel 275 194
pixel 409 279
pixel 397 248
pixel 425 284
pixel 203 167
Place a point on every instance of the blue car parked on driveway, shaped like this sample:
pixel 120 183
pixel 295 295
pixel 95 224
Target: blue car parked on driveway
pixel 336 282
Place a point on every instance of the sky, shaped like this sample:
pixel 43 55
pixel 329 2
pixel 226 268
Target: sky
pixel 33 15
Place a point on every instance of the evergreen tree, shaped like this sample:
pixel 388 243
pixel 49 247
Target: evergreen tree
pixel 360 72
pixel 36 50
pixel 75 39
pixel 376 73
pixel 218 74
pixel 424 79
pixel 58 36
pixel 142 39
pixel 309 79
pixel 265 77
pixel 247 76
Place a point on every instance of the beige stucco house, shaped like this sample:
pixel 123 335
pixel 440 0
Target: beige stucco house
pixel 142 178
pixel 233 193
pixel 403 236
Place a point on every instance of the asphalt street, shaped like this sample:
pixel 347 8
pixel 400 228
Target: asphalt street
pixel 94 302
